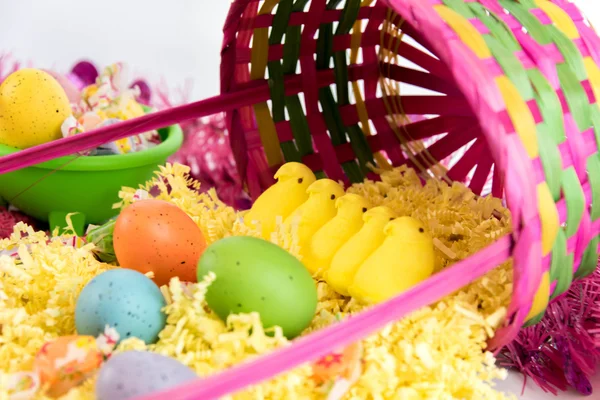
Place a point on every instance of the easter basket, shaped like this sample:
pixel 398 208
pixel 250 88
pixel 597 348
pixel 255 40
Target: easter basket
pixel 506 103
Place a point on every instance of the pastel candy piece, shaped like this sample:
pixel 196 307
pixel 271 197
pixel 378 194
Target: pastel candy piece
pixel 138 373
pixel 339 364
pixel 66 362
pixel 90 120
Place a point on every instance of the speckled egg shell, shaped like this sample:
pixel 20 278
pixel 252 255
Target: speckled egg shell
pixel 254 275
pixel 159 237
pixel 33 107
pixel 137 373
pixel 125 300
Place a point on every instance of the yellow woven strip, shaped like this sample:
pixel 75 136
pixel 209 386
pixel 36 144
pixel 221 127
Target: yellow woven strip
pixel 560 18
pixel 520 115
pixel 258 67
pixel 548 217
pixel 463 28
pixel 361 108
pixel 593 73
pixel 542 297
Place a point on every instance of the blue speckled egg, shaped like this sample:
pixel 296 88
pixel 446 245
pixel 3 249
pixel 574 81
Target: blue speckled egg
pixel 125 300
pixel 138 373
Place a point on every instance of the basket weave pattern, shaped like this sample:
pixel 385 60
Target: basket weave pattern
pixel 515 87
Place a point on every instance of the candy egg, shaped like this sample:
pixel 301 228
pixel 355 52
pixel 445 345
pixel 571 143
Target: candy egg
pixel 137 373
pixel 33 107
pixel 253 275
pixel 159 237
pixel 123 299
pixel 66 362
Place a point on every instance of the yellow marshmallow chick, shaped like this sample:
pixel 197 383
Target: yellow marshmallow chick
pixel 351 255
pixel 327 240
pixel 317 210
pixel 281 199
pixel 404 259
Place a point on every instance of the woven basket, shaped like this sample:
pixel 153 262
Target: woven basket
pixel 507 103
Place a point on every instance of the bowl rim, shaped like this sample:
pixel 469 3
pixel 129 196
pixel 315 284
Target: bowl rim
pixel 154 155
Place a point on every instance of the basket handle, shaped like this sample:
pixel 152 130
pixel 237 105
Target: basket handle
pixel 84 141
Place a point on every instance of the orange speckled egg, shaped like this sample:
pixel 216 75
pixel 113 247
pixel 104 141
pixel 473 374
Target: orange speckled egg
pixel 159 237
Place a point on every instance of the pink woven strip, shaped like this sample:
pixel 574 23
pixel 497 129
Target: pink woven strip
pixel 161 119
pixel 327 17
pixel 355 328
pixel 343 42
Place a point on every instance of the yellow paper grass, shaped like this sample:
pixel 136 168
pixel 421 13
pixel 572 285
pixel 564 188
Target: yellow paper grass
pixel 437 352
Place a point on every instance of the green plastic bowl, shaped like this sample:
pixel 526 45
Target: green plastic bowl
pixel 88 186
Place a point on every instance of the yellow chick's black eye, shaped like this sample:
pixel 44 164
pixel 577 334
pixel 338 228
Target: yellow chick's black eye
pixel 333 197
pixel 421 230
pixel 364 209
pixel 300 180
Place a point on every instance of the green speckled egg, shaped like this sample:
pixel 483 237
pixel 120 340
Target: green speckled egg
pixel 256 275
pixel 33 106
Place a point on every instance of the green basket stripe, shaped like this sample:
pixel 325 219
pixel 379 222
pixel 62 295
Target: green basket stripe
pixel 500 30
pixel 575 200
pixel 550 159
pixel 535 320
pixel 511 66
pixel 566 279
pixel 595 118
pixel 593 169
pixel 589 262
pixel 460 7
pixel 277 90
pixel 529 21
pixel 299 125
pixel 570 52
pixel 559 257
pixel 549 105
pixel 576 97
pixel 280 21
pixel 302 144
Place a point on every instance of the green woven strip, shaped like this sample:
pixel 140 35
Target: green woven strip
pixel 549 105
pixel 562 265
pixel 550 159
pixel 589 260
pixel 302 143
pixel 593 169
pixel 576 97
pixel 535 319
pixel 500 30
pixel 331 113
pixel 575 200
pixel 559 253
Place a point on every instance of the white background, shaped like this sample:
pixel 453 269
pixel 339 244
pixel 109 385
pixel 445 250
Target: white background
pixel 175 40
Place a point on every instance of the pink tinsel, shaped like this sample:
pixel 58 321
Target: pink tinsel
pixel 562 350
pixel 207 152
pixel 9 218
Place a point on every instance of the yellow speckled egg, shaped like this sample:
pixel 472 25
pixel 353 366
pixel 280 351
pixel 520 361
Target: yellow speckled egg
pixel 33 106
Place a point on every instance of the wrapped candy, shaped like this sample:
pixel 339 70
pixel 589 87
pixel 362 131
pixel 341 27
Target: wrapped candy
pixel 67 362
